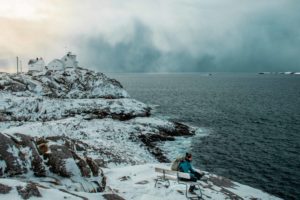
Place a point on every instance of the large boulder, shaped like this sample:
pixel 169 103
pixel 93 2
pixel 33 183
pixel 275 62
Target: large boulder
pixel 21 154
pixel 12 160
pixel 28 143
pixel 30 190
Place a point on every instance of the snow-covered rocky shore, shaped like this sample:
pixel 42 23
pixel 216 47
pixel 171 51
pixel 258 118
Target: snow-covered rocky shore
pixel 72 133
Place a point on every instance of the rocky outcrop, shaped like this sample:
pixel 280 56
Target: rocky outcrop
pixel 4 189
pixel 21 154
pixel 69 83
pixel 13 108
pixel 30 190
pixel 165 134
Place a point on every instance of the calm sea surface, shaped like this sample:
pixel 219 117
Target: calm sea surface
pixel 253 123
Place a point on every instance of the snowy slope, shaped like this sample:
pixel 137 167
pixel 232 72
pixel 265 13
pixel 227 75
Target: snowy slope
pixel 15 108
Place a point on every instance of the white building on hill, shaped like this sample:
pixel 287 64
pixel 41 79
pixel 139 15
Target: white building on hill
pixel 37 64
pixel 56 64
pixel 68 61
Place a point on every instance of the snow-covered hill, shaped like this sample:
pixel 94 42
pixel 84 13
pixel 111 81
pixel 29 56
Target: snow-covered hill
pixel 75 83
pixel 73 133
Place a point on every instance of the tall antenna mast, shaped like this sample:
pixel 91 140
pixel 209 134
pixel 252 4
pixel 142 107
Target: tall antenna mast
pixel 21 66
pixel 17 64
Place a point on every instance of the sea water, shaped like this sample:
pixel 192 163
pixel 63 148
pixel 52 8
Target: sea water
pixel 250 122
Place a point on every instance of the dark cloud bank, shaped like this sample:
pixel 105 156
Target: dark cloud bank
pixel 270 42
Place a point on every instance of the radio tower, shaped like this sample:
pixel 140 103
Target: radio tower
pixel 17 64
pixel 21 66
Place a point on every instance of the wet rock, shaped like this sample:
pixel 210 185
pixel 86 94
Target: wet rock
pixel 4 189
pixel 30 190
pixel 159 137
pixel 149 141
pixel 182 129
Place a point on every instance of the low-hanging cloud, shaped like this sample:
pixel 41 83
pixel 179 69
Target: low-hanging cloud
pixel 139 54
pixel 263 40
pixel 174 36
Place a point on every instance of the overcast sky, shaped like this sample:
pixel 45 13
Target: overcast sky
pixel 154 35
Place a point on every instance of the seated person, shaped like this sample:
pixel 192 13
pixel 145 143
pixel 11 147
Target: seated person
pixel 186 167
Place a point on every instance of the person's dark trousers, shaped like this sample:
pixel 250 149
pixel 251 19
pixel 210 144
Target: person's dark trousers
pixel 197 175
pixel 194 177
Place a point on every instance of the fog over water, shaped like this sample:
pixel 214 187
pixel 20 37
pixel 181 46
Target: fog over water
pixel 154 36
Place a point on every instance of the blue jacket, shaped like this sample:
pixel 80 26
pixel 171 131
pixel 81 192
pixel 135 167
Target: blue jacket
pixel 186 167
